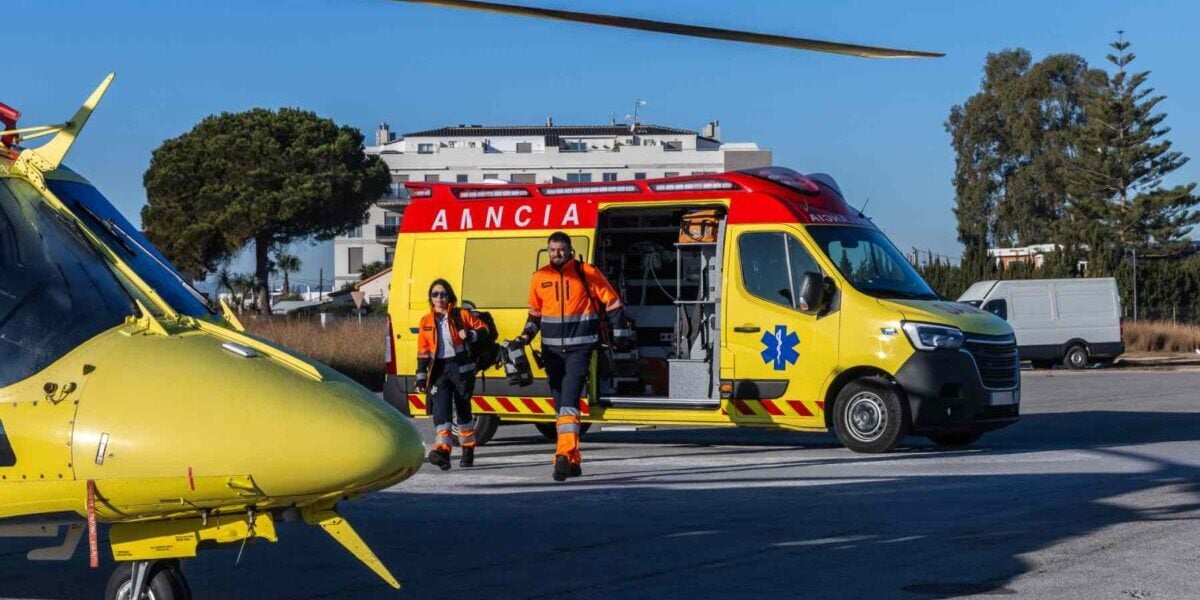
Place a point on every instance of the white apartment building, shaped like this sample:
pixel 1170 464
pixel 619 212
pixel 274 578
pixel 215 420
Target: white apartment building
pixel 530 154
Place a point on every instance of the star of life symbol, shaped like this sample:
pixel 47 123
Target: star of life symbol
pixel 779 347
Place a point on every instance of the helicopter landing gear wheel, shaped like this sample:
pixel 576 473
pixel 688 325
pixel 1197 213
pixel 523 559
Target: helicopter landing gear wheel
pixel 157 579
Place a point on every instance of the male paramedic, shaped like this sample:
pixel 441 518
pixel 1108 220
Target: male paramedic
pixel 568 299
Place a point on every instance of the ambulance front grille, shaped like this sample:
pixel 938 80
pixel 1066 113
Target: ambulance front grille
pixel 996 359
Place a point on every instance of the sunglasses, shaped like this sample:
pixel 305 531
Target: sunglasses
pixel 438 295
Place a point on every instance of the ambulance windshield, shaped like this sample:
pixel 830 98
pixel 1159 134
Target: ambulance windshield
pixel 871 263
pixel 107 223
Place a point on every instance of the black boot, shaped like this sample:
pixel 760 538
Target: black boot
pixel 440 459
pixel 468 457
pixel 576 469
pixel 562 468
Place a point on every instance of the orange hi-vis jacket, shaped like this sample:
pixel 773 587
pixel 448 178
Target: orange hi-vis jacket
pixel 427 343
pixel 566 313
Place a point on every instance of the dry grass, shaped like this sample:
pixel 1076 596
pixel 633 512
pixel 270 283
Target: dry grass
pixel 354 349
pixel 1160 336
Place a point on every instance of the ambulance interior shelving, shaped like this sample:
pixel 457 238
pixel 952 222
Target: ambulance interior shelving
pixel 665 262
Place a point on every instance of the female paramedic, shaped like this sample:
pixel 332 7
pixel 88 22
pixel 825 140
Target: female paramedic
pixel 446 371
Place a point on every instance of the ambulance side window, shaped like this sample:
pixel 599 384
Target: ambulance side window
pixel 773 265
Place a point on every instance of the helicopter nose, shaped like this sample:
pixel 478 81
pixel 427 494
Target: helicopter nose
pixel 368 446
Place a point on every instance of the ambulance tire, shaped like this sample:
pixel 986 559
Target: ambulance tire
pixel 550 430
pixel 165 581
pixel 485 428
pixel 870 416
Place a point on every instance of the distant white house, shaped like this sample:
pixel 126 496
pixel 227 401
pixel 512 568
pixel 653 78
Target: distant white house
pixel 376 287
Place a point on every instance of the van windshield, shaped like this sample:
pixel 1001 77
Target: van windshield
pixel 103 220
pixel 869 261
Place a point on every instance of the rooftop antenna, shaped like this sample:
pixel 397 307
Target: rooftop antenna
pixel 634 117
pixel 864 207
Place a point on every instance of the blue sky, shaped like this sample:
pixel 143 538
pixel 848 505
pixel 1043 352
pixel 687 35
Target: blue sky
pixel 876 125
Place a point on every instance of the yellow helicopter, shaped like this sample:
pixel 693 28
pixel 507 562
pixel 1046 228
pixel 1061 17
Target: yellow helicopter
pixel 126 400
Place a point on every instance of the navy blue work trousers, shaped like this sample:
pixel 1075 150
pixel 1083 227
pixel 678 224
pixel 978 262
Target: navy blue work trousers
pixel 566 371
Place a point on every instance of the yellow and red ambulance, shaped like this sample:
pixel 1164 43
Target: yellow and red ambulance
pixel 760 298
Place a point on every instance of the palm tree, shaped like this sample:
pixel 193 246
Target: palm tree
pixel 287 263
pixel 225 280
pixel 244 284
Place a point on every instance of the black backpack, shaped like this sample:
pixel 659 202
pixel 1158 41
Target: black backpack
pixel 486 348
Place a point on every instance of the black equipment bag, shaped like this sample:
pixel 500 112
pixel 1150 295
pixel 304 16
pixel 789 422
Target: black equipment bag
pixel 516 363
pixel 485 350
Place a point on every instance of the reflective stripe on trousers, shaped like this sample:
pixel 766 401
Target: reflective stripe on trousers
pixel 442 440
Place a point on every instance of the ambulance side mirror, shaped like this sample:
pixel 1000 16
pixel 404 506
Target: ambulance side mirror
pixel 812 293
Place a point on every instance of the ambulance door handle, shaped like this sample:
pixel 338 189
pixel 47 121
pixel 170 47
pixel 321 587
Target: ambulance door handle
pixel 747 329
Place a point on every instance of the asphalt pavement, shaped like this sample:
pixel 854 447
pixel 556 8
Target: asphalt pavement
pixel 1093 495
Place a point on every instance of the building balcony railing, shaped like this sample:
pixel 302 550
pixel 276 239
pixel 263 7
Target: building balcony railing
pixel 394 199
pixel 386 234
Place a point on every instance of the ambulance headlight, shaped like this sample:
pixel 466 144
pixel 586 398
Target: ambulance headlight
pixel 924 336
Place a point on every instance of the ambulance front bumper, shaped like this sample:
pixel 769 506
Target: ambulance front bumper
pixel 968 390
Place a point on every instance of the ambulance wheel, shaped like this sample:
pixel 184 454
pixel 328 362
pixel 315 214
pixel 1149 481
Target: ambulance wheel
pixel 485 428
pixel 550 430
pixel 955 440
pixel 164 581
pixel 1076 357
pixel 870 416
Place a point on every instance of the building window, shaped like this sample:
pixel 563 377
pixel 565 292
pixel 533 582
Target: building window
pixel 400 178
pixel 487 176
pixel 433 178
pixel 639 175
pixel 461 178
pixel 704 172
pixel 424 148
pixel 389 255
pixel 609 177
pixel 773 266
pixel 391 219
pixel 671 174
pixel 573 146
pixel 355 233
pixel 579 177
pixel 355 257
pixel 524 147
pixel 524 178
pixel 675 146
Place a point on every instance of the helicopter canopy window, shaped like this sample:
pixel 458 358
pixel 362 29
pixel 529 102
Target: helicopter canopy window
pixel 127 242
pixel 56 292
pixel 871 263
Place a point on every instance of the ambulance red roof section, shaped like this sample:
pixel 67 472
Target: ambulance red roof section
pixel 771 195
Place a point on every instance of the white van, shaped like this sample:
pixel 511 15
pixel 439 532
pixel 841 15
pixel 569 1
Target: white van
pixel 1072 321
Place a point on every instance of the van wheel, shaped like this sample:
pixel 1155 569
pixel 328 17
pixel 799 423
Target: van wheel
pixel 955 440
pixel 550 430
pixel 870 416
pixel 1076 357
pixel 485 428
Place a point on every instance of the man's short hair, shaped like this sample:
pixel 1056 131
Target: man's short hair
pixel 559 237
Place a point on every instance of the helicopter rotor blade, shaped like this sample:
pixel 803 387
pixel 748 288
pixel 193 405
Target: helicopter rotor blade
pixel 715 33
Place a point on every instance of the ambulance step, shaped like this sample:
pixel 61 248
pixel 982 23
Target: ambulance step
pixel 615 428
pixel 659 402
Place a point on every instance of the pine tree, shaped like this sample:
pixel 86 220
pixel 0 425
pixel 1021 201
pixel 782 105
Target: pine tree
pixel 1116 179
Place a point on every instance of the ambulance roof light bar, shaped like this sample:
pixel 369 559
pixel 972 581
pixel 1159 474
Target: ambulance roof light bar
pixel 694 185
pixel 497 192
pixel 627 188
